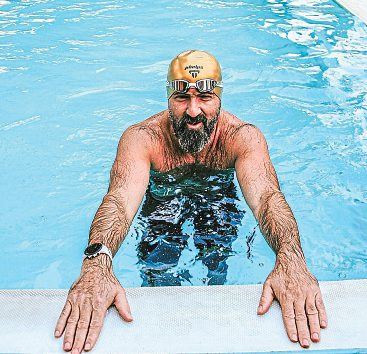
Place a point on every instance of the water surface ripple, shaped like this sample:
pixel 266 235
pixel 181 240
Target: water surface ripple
pixel 75 74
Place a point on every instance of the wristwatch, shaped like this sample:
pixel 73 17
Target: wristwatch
pixel 95 249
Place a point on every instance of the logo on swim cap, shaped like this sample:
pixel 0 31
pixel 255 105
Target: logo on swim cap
pixel 194 65
pixel 194 70
pixel 194 73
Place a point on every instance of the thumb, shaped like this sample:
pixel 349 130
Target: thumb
pixel 122 305
pixel 266 299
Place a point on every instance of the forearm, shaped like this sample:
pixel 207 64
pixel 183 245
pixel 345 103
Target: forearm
pixel 97 287
pixel 110 224
pixel 290 282
pixel 279 227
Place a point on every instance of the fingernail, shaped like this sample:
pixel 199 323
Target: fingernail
pixel 323 323
pixel 75 351
pixel 315 336
pixel 305 343
pixel 57 333
pixel 87 346
pixel 67 346
pixel 294 337
pixel 260 308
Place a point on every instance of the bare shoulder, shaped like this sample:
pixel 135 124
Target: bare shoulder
pixel 243 136
pixel 142 136
pixel 148 130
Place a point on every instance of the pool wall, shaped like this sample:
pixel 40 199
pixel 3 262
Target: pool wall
pixel 356 7
pixel 212 319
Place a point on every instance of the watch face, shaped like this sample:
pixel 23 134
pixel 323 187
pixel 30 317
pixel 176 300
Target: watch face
pixel 92 249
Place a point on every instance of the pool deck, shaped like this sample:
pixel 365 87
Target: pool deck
pixel 190 319
pixel 356 7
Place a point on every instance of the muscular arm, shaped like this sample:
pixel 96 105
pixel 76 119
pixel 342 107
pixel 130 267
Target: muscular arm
pixel 260 187
pixel 97 288
pixel 129 179
pixel 290 282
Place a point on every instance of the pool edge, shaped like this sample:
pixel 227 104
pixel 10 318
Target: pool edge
pixel 355 7
pixel 193 319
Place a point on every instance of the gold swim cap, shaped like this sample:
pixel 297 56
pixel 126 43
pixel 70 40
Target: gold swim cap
pixel 194 65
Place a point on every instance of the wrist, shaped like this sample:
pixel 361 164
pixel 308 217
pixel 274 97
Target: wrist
pixel 289 257
pixel 95 249
pixel 102 261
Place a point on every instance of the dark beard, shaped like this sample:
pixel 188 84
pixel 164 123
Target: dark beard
pixel 191 140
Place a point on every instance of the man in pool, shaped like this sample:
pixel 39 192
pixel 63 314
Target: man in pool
pixel 192 133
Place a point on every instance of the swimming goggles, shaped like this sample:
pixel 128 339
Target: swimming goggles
pixel 204 85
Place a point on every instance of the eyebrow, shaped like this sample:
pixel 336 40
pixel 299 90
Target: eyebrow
pixel 205 94
pixel 180 94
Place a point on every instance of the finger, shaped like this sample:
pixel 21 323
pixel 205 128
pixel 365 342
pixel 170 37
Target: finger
pixel 95 328
pixel 289 320
pixel 321 309
pixel 82 328
pixel 301 323
pixel 61 322
pixel 70 328
pixel 313 318
pixel 266 299
pixel 123 306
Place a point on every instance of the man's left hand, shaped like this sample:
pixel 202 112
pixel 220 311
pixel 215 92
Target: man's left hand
pixel 299 295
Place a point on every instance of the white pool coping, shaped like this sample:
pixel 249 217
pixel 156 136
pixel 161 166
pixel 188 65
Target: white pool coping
pixel 210 319
pixel 356 7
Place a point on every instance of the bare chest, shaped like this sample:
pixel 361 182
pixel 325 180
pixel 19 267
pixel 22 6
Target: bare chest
pixel 168 159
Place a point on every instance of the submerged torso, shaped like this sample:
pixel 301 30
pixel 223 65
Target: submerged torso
pixel 189 196
pixel 188 180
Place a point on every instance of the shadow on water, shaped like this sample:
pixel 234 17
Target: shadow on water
pixel 205 200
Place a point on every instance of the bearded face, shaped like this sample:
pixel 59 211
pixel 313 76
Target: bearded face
pixel 193 140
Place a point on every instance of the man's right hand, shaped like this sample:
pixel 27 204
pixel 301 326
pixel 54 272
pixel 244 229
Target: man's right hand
pixel 90 296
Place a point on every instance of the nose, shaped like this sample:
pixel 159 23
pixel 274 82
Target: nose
pixel 193 107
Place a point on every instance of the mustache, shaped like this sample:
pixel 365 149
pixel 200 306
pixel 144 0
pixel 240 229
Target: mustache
pixel 200 118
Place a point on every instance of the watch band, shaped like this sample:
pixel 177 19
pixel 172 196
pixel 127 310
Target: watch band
pixel 101 249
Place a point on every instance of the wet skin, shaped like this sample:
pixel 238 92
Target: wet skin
pixel 152 144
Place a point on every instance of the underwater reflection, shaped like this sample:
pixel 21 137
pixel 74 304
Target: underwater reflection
pixel 172 201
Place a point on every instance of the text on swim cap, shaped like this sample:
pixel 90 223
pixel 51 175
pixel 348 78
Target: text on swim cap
pixel 194 67
pixel 194 70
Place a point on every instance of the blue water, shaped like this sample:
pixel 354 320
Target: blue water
pixel 74 75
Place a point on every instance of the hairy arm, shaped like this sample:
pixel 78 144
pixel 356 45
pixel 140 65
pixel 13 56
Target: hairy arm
pixel 97 288
pixel 290 282
pixel 129 179
pixel 260 187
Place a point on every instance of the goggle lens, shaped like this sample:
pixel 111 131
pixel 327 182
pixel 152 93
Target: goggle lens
pixel 180 85
pixel 205 85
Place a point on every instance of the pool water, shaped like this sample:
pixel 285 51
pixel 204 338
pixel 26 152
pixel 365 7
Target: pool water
pixel 74 75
